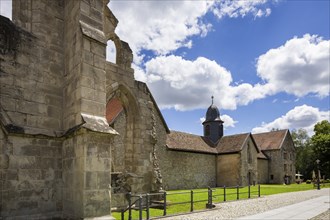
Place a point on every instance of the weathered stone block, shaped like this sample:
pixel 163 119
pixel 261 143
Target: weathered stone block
pixel 27 162
pixel 97 164
pixel 29 174
pixel 103 180
pixel 98 48
pixel 27 150
pixel 90 180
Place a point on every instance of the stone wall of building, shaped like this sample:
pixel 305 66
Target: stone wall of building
pixel 263 171
pixel 185 170
pixel 275 166
pixel 289 156
pixel 248 164
pixel 228 168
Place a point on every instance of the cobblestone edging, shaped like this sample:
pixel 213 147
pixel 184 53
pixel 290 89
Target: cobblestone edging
pixel 235 209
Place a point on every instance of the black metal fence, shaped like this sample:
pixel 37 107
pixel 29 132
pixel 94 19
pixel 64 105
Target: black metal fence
pixel 144 202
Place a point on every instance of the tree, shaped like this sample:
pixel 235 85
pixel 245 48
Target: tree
pixel 305 156
pixel 321 146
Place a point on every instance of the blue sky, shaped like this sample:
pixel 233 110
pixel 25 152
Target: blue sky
pixel 265 61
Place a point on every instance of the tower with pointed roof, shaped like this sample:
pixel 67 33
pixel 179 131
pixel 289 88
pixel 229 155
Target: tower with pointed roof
pixel 213 125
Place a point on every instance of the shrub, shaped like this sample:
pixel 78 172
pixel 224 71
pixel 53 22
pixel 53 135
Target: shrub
pixel 308 181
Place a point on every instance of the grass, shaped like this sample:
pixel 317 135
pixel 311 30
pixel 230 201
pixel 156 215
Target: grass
pixel 200 197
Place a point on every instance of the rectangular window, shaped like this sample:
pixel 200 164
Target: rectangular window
pixel 271 177
pixel 285 155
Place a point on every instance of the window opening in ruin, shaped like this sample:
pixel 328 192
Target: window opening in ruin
pixel 113 109
pixel 111 52
pixel 6 9
pixel 271 177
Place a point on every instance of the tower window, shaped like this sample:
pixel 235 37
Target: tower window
pixel 207 130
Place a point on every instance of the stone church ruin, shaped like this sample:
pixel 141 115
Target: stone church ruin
pixel 78 132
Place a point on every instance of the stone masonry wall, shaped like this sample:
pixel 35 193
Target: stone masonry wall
pixel 31 177
pixel 140 131
pixel 86 174
pixel 263 171
pixel 228 168
pixel 32 67
pixel 183 170
pixel 248 165
pixel 52 108
pixel 289 158
pixel 118 151
pixel 275 166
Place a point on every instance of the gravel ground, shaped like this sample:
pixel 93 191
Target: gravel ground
pixel 322 216
pixel 235 209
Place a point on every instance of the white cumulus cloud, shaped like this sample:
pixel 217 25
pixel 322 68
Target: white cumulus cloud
pixel 6 8
pixel 303 116
pixel 236 9
pixel 165 26
pixel 160 26
pixel 186 85
pixel 299 67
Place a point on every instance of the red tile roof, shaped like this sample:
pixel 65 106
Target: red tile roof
pixel 113 109
pixel 188 142
pixel 270 140
pixel 232 143
pixel 193 143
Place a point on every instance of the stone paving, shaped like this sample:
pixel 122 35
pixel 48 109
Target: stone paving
pixel 236 209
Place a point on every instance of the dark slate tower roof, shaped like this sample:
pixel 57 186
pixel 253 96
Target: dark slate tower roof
pixel 212 113
pixel 213 128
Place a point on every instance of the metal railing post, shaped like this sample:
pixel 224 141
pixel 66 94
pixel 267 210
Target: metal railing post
pixel 249 192
pixel 237 192
pixel 211 198
pixel 259 190
pixel 147 206
pixel 129 206
pixel 224 193
pixel 191 201
pixel 165 194
pixel 122 215
pixel 140 207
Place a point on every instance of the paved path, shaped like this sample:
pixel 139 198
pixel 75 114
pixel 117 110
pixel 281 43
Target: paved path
pixel 294 205
pixel 302 210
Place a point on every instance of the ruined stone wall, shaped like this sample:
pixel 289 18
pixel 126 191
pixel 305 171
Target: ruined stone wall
pixel 263 172
pixel 139 135
pixel 31 75
pixel 3 165
pixel 52 108
pixel 184 170
pixel 31 177
pixel 32 67
pixel 86 174
pixel 118 150
pixel 248 164
pixel 228 169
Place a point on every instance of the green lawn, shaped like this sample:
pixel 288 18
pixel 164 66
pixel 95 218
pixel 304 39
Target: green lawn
pixel 178 196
